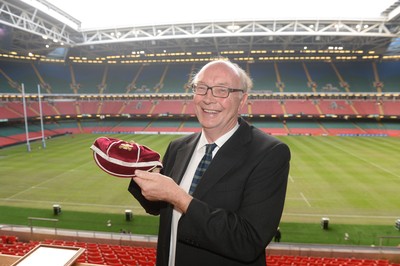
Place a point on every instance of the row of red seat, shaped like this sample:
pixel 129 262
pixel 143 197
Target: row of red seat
pixel 150 107
pixel 283 260
pixel 120 255
pixel 102 254
pixel 4 239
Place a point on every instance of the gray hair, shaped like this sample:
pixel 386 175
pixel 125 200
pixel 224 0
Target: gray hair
pixel 245 80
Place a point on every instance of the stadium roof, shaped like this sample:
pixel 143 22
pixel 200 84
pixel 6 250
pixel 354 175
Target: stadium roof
pixel 119 13
pixel 93 28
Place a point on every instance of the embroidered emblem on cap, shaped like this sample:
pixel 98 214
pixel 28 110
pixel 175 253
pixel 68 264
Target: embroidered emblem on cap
pixel 126 146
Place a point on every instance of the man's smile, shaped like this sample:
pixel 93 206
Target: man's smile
pixel 210 111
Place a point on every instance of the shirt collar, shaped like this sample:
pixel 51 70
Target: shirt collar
pixel 220 141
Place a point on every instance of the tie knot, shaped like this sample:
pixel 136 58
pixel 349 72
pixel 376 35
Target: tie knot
pixel 210 147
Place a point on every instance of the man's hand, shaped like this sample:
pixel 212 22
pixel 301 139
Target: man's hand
pixel 158 187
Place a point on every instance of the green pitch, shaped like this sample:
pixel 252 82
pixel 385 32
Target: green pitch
pixel 65 173
pixel 350 180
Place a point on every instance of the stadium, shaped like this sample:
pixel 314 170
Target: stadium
pixel 328 85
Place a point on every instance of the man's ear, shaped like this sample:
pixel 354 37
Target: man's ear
pixel 243 101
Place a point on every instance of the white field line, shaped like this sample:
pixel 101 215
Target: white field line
pixel 70 203
pixel 339 215
pixel 305 199
pixel 362 159
pixel 139 209
pixel 40 184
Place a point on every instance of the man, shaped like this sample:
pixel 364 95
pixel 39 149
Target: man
pixel 233 213
pixel 278 235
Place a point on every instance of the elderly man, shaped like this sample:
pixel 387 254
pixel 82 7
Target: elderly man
pixel 222 209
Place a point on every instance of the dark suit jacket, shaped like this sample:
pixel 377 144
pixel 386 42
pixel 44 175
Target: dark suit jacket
pixel 237 205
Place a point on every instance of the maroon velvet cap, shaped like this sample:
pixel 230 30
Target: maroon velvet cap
pixel 121 158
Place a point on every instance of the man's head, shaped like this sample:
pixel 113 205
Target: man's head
pixel 220 91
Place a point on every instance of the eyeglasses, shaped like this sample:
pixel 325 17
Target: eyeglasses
pixel 218 91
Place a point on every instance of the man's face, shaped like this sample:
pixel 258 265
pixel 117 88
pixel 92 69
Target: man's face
pixel 218 115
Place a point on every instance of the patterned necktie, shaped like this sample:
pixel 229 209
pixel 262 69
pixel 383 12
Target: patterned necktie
pixel 202 167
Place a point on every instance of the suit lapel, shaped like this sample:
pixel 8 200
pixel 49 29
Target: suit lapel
pixel 183 157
